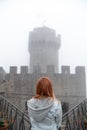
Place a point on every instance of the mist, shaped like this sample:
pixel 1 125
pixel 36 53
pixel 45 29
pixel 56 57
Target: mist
pixel 19 17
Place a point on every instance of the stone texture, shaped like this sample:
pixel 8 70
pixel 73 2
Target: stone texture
pixel 69 88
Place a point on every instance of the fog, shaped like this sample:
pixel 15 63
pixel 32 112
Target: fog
pixel 19 17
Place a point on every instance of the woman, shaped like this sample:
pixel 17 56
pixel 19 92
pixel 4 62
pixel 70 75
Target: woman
pixel 44 109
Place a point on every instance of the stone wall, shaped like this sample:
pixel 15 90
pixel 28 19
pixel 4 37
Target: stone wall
pixel 69 88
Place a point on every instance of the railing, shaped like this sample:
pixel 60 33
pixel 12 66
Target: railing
pixel 74 118
pixel 18 120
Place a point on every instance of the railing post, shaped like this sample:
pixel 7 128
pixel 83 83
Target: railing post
pixel 22 125
pixel 74 117
pixel 16 118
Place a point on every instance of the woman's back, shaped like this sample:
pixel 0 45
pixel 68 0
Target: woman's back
pixel 45 113
pixel 44 109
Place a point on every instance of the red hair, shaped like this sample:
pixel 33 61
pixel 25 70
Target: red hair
pixel 44 88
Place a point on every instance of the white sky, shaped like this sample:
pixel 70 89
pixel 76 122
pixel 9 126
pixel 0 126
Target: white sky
pixel 67 17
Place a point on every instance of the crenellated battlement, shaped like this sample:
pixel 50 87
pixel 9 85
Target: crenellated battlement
pixel 65 81
pixel 70 87
pixel 65 69
pixel 80 70
pixel 13 70
pixel 23 69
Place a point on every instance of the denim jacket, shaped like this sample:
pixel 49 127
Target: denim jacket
pixel 45 113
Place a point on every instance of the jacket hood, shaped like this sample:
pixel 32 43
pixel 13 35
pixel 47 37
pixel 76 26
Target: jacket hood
pixel 39 108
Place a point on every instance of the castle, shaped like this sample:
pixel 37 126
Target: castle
pixel 19 87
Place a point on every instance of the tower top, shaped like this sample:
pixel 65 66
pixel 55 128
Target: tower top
pixel 43 33
pixel 44 28
pixel 43 48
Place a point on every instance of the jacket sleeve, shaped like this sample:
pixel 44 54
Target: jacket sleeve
pixel 57 113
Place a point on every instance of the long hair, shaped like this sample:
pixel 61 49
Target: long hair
pixel 44 88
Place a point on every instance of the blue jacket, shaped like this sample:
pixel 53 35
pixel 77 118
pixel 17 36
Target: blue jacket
pixel 45 113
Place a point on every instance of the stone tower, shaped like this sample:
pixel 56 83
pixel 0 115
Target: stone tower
pixel 43 48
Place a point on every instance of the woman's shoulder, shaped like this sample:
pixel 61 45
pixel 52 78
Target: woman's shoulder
pixel 30 100
pixel 56 106
pixel 57 102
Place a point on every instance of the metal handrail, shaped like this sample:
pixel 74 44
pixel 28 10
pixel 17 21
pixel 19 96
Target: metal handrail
pixel 74 118
pixel 18 120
